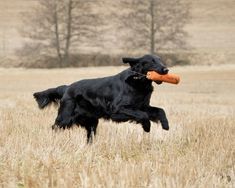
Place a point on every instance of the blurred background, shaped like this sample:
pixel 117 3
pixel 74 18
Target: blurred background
pixel 67 33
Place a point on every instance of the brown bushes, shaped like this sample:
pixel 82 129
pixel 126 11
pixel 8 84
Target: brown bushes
pixel 97 59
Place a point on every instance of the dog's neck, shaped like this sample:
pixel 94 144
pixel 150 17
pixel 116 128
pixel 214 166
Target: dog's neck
pixel 137 76
pixel 139 82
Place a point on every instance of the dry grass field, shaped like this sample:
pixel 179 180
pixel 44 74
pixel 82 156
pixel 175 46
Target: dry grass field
pixel 198 151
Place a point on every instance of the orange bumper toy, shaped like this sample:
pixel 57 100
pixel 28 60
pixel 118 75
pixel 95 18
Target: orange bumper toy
pixel 169 78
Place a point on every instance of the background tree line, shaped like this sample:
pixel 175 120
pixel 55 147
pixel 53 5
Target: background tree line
pixel 58 27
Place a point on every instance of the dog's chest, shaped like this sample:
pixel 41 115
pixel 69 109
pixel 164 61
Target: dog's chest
pixel 137 99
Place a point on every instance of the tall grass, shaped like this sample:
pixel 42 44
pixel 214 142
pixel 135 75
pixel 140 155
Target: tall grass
pixel 198 151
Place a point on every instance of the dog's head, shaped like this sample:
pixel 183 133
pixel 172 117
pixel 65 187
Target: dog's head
pixel 146 63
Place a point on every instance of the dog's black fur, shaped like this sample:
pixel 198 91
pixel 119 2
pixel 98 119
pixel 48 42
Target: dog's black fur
pixel 122 97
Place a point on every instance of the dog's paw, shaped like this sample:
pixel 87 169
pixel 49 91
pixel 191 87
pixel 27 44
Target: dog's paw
pixel 146 126
pixel 63 123
pixel 56 127
pixel 165 125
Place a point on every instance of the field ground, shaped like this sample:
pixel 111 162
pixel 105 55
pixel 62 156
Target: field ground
pixel 197 151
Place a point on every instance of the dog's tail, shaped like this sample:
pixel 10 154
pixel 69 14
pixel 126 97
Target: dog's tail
pixel 48 96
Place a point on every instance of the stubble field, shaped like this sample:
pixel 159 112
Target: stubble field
pixel 197 151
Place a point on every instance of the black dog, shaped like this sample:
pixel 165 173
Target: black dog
pixel 123 97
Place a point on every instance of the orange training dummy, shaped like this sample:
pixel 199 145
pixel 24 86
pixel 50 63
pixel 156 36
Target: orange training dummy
pixel 169 78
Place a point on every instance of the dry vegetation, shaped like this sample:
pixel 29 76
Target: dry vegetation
pixel 198 151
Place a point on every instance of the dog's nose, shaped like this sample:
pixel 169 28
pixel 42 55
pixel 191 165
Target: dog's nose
pixel 165 70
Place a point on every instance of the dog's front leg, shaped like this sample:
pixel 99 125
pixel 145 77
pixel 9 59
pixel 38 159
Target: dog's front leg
pixel 134 115
pixel 158 114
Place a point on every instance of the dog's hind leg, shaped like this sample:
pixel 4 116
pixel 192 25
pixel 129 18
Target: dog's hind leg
pixel 158 114
pixel 65 114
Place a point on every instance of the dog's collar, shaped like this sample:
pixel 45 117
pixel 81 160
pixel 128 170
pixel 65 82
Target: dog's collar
pixel 138 77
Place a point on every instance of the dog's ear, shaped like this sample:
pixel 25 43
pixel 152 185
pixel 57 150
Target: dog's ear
pixel 130 60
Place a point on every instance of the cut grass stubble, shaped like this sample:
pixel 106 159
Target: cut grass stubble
pixel 198 151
